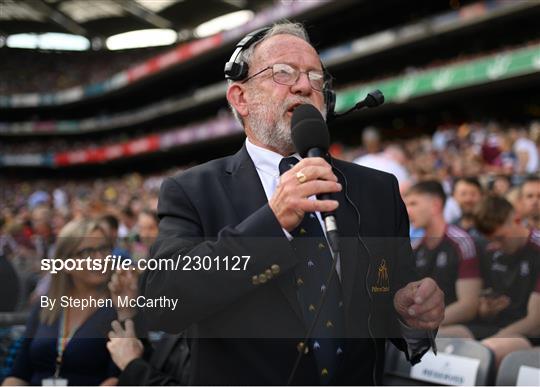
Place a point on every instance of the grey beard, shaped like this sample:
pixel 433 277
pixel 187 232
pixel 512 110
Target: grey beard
pixel 277 136
pixel 271 127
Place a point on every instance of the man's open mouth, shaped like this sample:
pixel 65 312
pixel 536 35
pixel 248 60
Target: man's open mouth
pixel 294 106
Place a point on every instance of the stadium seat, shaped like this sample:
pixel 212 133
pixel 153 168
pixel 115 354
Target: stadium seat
pixel 453 354
pixel 397 369
pixel 512 369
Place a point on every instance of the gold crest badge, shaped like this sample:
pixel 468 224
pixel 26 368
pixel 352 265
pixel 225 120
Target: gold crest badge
pixel 382 285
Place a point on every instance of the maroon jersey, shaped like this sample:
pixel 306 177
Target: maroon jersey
pixel 453 258
pixel 515 275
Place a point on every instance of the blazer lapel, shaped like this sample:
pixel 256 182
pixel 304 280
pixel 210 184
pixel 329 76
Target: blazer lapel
pixel 247 195
pixel 244 185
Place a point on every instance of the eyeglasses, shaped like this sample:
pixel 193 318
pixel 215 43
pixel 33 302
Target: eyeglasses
pixel 89 251
pixel 285 74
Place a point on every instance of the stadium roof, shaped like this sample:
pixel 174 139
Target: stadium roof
pixel 99 19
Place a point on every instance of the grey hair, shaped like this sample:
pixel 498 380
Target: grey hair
pixel 281 28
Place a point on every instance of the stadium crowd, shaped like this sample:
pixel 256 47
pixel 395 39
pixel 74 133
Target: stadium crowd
pixel 47 68
pixel 473 196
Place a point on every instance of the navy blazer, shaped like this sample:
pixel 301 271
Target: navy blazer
pixel 245 330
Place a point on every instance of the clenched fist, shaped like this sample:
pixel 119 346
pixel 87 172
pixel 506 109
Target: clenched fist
pixel 420 304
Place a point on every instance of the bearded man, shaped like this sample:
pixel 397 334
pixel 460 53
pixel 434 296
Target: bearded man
pixel 263 322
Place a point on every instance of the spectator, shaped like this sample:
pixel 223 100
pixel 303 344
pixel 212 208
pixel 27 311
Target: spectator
pixel 147 227
pixel 526 151
pixel 109 223
pixel 40 358
pixel 127 224
pixel 43 237
pixel 371 140
pixel 391 160
pixel 501 185
pixel 509 310
pixel 468 194
pixel 446 253
pixel 529 202
pixel 43 246
pixel 451 211
pixel 8 246
pixel 9 284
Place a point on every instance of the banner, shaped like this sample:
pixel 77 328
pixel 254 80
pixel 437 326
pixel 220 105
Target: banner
pixel 488 69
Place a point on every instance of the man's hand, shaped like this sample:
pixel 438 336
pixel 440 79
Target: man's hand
pixel 123 344
pixel 420 304
pixel 290 200
pixel 489 307
pixel 123 283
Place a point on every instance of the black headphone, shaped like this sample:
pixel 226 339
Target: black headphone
pixel 237 70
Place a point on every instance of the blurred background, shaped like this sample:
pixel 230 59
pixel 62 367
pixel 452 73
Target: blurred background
pixel 101 99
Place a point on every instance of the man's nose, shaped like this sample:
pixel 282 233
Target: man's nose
pixel 302 85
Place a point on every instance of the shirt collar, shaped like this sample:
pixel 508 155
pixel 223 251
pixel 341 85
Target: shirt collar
pixel 265 160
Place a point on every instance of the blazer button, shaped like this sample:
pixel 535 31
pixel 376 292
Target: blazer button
pixel 255 280
pixel 302 348
pixel 268 273
pixel 262 278
pixel 275 269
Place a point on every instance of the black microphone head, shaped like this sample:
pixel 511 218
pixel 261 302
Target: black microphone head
pixel 374 99
pixel 309 130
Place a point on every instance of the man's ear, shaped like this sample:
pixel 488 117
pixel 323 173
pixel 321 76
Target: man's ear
pixel 437 204
pixel 236 97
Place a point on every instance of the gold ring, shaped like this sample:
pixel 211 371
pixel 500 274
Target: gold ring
pixel 301 177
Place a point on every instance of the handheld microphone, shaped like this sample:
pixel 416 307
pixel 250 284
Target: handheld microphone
pixel 311 138
pixel 373 99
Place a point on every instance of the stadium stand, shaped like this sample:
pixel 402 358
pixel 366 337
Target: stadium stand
pixel 49 68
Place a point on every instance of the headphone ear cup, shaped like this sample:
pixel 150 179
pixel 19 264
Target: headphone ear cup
pixel 330 100
pixel 243 69
pixel 236 71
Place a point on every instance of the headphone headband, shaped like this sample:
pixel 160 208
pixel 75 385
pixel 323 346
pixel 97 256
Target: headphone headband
pixel 237 70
